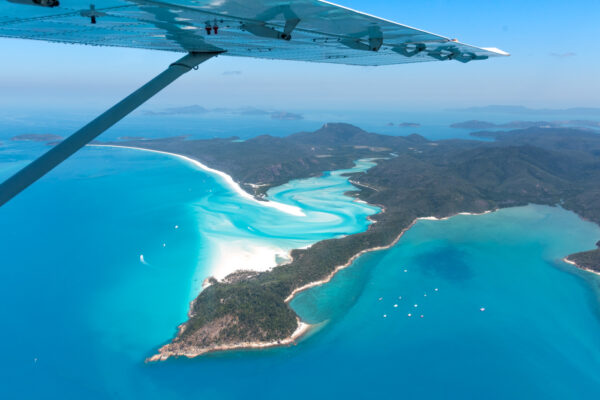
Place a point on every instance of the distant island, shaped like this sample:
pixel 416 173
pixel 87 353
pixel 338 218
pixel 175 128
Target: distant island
pixel 414 178
pixel 283 115
pixel 132 138
pixel 475 124
pixel 409 125
pixel 36 137
pixel 405 124
pixel 509 109
pixel 199 110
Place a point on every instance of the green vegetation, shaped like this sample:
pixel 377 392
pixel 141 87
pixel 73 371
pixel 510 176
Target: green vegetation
pixel 587 259
pixel 423 178
pixel 259 313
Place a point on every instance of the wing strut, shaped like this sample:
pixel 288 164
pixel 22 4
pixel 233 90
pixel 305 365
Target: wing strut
pixel 38 168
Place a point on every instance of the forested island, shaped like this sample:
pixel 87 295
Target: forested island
pixel 413 178
pixel 36 137
pixel 577 123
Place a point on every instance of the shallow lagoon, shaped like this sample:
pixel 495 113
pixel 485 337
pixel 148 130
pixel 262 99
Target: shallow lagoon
pixel 82 312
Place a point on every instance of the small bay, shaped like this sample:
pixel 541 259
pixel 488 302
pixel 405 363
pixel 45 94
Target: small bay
pixel 469 307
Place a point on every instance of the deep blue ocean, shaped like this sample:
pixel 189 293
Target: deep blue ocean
pixel 494 312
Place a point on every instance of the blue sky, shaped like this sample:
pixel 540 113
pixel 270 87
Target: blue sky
pixel 554 63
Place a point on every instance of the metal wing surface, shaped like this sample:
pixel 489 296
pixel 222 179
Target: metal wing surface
pixel 302 30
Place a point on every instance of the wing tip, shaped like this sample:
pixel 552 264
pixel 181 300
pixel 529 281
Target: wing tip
pixel 496 51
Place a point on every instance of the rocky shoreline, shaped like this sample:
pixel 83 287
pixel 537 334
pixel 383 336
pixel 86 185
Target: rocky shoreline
pixel 172 350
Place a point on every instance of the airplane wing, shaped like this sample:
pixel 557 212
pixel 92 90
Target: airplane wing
pixel 302 30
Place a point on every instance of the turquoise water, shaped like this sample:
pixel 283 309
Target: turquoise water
pixel 244 233
pixel 81 311
pixel 538 333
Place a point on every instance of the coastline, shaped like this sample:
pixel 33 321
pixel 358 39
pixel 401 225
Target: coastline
pixel 234 260
pixel 255 256
pixel 573 263
pixel 228 258
pixel 303 328
pixel 357 255
pixel 286 208
pixel 349 263
pixel 454 215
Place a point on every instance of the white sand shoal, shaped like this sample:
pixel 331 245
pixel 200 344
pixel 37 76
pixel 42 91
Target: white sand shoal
pixel 231 256
pixel 234 255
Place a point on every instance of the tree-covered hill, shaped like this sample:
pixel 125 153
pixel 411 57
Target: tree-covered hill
pixel 413 178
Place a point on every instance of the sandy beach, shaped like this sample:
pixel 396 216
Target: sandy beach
pixel 461 213
pixel 286 208
pixel 231 256
pixel 254 256
pixel 573 263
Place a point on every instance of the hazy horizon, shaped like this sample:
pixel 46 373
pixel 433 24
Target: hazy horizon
pixel 546 69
